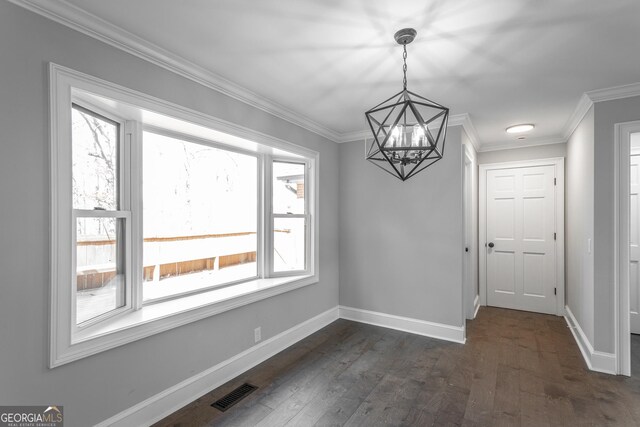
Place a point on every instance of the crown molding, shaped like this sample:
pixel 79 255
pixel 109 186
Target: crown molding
pixel 464 120
pixel 600 95
pixel 584 105
pixel 521 144
pixel 582 108
pixel 353 136
pixel 616 92
pixel 80 20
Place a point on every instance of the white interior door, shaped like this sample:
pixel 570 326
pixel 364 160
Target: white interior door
pixel 634 242
pixel 520 233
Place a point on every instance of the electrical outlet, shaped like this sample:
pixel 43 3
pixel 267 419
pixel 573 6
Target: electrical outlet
pixel 257 334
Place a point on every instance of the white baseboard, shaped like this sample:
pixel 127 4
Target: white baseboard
pixel 406 324
pixel 596 360
pixel 170 400
pixel 476 304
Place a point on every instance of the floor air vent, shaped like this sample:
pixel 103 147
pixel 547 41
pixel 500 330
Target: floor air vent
pixel 234 397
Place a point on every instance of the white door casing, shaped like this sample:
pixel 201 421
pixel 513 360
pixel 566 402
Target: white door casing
pixel 624 133
pixel 522 218
pixel 469 273
pixel 634 242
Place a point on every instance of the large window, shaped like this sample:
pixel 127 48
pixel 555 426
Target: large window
pixel 200 216
pixel 162 217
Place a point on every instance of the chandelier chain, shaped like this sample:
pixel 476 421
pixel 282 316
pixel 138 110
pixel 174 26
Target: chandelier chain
pixel 404 67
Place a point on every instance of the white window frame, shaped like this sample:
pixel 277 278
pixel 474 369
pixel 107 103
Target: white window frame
pixel 69 342
pixel 306 215
pixel 122 212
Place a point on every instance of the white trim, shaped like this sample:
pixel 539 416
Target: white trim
pixel 80 20
pixel 153 318
pixel 558 163
pixel 357 135
pixel 511 145
pixel 476 304
pixel 482 235
pixel 405 324
pixel 468 226
pixel 85 82
pixel 622 337
pixel 170 400
pixel 464 120
pixel 596 360
pixel 582 108
pixel 470 153
pixel 599 95
pixel 310 226
pixel 616 92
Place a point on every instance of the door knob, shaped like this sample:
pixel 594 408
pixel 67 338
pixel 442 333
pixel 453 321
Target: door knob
pixel 491 244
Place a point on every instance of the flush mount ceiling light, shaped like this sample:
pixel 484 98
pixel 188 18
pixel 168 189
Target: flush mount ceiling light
pixel 520 128
pixel 409 131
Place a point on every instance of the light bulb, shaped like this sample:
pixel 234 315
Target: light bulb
pixel 395 133
pixel 417 137
pixel 402 137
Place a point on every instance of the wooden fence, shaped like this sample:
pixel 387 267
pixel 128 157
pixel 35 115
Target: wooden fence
pixel 166 257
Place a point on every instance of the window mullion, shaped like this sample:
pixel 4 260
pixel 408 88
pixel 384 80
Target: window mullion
pixel 261 219
pixel 134 184
pixel 267 216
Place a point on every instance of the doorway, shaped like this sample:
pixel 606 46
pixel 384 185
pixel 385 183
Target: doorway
pixel 627 249
pixel 470 232
pixel 522 235
pixel 634 234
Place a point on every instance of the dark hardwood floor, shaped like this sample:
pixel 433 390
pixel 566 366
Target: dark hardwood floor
pixel 517 369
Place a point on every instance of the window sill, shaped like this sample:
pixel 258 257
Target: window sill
pixel 162 316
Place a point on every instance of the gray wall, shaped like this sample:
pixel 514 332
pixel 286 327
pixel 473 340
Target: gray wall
pixel 607 114
pixel 590 214
pixel 97 387
pixel 522 154
pixel 579 224
pixel 401 242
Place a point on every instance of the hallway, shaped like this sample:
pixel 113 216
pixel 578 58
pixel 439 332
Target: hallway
pixel 517 368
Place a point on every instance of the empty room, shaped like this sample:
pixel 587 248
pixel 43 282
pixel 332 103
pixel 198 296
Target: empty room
pixel 308 213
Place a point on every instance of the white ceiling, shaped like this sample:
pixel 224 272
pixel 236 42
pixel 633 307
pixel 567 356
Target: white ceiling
pixel 501 61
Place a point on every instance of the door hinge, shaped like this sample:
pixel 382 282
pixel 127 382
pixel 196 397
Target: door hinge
pixel 554 236
pixel 555 182
pixel 555 291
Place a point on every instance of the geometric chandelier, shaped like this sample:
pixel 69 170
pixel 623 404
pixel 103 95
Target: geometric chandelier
pixel 409 131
